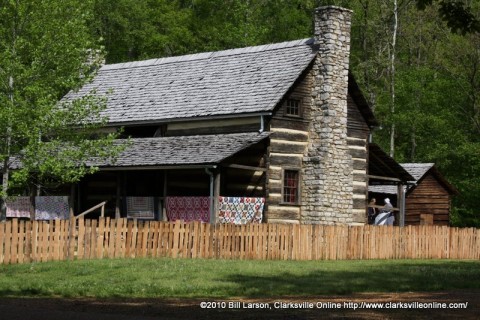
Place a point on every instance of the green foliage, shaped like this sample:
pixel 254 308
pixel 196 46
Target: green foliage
pixel 46 49
pixel 457 14
pixel 134 30
pixel 144 29
pixel 437 94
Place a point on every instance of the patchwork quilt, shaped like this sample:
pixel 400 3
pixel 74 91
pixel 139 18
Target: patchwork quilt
pixel 18 207
pixel 52 207
pixel 241 210
pixel 188 208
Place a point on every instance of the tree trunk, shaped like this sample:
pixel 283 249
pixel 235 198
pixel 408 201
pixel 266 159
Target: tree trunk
pixel 8 133
pixel 392 75
pixel 414 145
pixel 3 198
pixel 6 164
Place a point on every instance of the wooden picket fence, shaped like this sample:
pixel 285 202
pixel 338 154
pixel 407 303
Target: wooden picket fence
pixel 36 241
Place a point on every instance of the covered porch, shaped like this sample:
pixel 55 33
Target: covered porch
pixel 387 174
pixel 209 178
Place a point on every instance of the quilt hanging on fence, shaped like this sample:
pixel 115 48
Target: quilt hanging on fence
pixel 18 207
pixel 140 207
pixel 52 207
pixel 188 208
pixel 240 210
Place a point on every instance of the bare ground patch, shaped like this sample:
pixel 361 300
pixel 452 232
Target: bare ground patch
pixel 120 309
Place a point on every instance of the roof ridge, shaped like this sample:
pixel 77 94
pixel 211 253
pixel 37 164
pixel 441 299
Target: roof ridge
pixel 208 55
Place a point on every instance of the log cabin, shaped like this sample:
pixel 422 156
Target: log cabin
pixel 428 195
pixel 283 126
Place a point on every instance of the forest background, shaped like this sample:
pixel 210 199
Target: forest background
pixel 417 61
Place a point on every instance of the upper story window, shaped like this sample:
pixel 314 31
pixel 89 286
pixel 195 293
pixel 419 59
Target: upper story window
pixel 293 107
pixel 291 186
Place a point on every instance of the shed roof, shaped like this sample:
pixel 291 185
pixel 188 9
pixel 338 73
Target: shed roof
pixel 181 151
pixel 418 171
pixel 238 81
pixel 381 164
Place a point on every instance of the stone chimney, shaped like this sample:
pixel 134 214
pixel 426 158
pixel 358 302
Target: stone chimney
pixel 327 183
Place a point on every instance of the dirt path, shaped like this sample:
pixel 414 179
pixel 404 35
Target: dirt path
pixel 336 307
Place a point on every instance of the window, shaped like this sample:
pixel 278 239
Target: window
pixel 290 186
pixel 292 107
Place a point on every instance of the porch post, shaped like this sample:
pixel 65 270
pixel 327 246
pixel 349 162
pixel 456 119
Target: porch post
pixel 216 194
pixel 401 204
pixel 33 193
pixel 211 194
pixel 214 175
pixel 72 200
pixel 163 213
pixel 118 196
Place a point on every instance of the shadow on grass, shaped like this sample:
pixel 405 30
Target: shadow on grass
pixel 388 277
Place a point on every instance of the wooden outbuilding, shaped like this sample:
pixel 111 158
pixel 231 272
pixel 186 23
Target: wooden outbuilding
pixel 428 197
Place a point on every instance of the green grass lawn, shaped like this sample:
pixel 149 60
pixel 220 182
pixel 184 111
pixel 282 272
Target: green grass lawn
pixel 181 278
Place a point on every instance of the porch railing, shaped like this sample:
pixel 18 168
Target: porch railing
pixel 100 205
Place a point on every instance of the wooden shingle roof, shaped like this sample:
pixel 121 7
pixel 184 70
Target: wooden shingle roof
pixel 418 172
pixel 382 165
pixel 182 150
pixel 231 82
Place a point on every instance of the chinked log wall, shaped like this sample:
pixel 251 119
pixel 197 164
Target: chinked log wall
pixel 288 143
pixel 357 132
pixel 38 241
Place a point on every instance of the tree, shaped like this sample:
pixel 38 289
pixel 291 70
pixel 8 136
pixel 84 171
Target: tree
pixel 142 29
pixel 462 67
pixel 46 49
pixel 436 91
pixel 458 14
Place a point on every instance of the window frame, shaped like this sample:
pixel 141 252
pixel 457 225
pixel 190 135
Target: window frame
pixel 298 189
pixel 300 108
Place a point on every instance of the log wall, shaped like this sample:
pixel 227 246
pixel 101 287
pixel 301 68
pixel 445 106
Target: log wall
pixel 429 197
pixel 358 132
pixel 288 142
